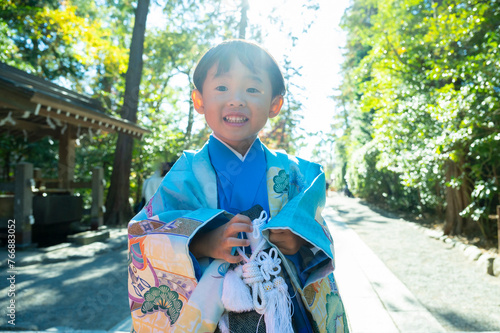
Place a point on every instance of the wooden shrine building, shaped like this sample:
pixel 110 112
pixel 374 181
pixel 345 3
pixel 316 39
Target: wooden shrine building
pixel 32 108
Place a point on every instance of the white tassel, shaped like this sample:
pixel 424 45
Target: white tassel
pixel 278 316
pixel 224 323
pixel 235 293
pixel 269 295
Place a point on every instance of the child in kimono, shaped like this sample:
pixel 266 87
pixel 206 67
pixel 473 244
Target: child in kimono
pixel 182 244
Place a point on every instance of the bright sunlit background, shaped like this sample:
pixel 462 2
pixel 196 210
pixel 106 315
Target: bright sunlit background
pixel 317 53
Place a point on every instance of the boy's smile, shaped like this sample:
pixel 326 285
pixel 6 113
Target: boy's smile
pixel 236 119
pixel 237 104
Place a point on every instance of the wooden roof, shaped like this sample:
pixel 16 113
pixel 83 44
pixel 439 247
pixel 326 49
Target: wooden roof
pixel 33 107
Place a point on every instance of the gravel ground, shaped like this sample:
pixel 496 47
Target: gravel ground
pixel 85 293
pixel 450 286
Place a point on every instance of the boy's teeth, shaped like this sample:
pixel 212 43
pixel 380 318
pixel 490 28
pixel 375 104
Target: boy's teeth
pixel 235 119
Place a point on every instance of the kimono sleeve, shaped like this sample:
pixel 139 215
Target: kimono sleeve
pixel 302 214
pixel 159 265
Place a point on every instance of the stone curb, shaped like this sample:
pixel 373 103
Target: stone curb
pixel 489 263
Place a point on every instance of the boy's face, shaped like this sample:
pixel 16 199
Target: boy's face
pixel 237 104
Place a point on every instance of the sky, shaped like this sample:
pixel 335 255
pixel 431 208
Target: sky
pixel 318 52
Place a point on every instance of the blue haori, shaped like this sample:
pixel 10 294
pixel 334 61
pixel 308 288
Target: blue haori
pixel 203 191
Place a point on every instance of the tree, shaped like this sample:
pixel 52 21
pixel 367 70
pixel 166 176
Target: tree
pixel 244 19
pixel 118 208
pixel 282 130
pixel 422 75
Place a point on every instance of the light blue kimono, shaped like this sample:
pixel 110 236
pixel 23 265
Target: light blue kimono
pixel 163 290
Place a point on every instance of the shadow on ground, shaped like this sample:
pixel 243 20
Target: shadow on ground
pixel 81 294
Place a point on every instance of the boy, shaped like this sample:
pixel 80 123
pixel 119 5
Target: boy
pixel 182 243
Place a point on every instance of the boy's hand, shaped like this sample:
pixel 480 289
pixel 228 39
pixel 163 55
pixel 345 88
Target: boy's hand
pixel 219 242
pixel 286 241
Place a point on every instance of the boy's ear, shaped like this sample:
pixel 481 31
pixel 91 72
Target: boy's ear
pixel 198 101
pixel 276 105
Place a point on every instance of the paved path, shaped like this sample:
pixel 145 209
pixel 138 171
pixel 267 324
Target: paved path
pixel 394 278
pixel 375 299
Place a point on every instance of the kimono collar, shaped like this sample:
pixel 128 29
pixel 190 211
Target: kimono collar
pixel 241 157
pixel 229 162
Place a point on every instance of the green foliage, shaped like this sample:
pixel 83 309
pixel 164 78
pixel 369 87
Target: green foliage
pixel 428 75
pixel 9 52
pixel 54 40
pixel 41 154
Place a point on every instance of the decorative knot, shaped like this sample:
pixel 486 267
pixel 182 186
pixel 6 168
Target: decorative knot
pixel 252 273
pixel 269 263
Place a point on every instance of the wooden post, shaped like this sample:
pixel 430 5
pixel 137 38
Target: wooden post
pixel 498 226
pixel 67 157
pixel 23 203
pixel 37 176
pixel 96 210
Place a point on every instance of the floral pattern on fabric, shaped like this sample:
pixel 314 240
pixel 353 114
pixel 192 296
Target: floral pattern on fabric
pixel 281 182
pixel 162 299
pixel 276 200
pixel 335 320
pixel 326 306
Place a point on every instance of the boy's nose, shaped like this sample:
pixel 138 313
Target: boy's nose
pixel 236 100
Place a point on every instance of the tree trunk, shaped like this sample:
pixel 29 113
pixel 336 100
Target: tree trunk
pixel 456 201
pixel 244 19
pixel 118 208
pixel 187 136
pixel 6 166
pixel 107 85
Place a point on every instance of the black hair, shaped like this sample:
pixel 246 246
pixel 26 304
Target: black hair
pixel 251 55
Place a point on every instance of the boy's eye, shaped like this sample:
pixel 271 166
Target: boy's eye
pixel 253 90
pixel 221 88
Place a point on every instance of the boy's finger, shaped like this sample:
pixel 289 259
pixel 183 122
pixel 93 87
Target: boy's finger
pixel 235 228
pixel 237 242
pixel 241 219
pixel 233 259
